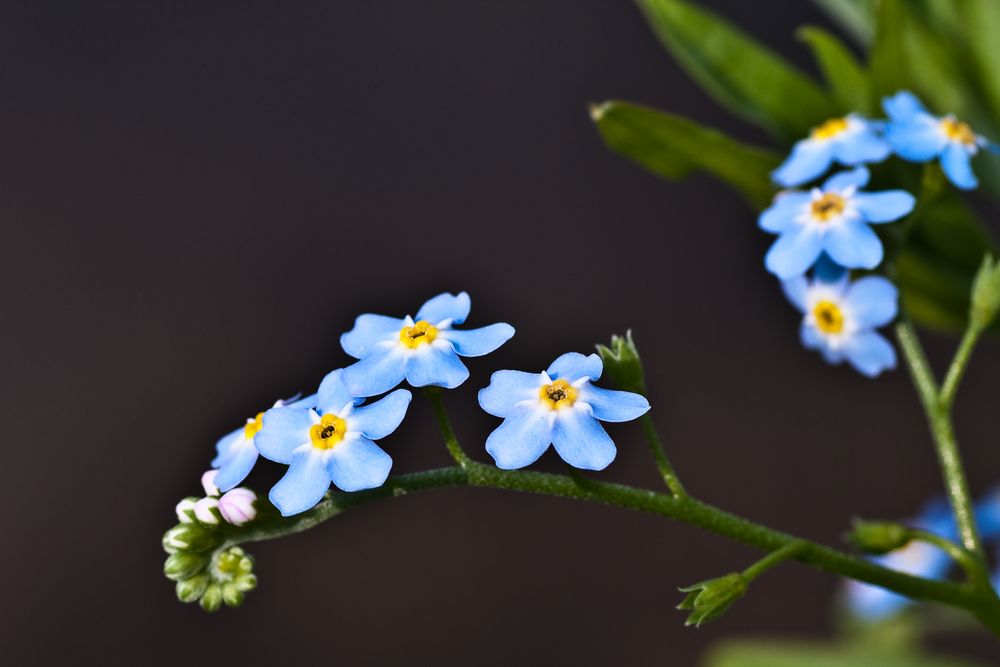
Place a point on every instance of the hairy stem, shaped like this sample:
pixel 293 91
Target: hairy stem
pixel 957 369
pixel 663 464
pixel 434 394
pixel 776 557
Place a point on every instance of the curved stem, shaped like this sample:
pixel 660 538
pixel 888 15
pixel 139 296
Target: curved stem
pixel 968 561
pixel 663 464
pixel 450 439
pixel 776 557
pixel 958 365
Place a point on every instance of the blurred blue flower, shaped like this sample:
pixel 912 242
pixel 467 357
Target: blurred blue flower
pixel 851 140
pixel 424 352
pixel 559 406
pixel 840 317
pixel 833 219
pixel 917 135
pixel 333 442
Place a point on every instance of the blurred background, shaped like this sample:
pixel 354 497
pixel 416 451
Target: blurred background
pixel 198 200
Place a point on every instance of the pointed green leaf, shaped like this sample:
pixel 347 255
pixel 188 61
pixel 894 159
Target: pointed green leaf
pixel 890 69
pixel 673 147
pixel 981 21
pixel 847 80
pixel 856 17
pixel 738 71
pixel 785 653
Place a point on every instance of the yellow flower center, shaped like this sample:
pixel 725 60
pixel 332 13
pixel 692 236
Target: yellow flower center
pixel 958 131
pixel 420 333
pixel 829 129
pixel 827 206
pixel 328 432
pixel 829 317
pixel 560 394
pixel 253 425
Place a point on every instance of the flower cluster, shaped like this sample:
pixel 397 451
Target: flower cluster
pixel 827 232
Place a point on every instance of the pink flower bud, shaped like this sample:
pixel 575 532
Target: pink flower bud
pixel 236 506
pixel 208 483
pixel 183 508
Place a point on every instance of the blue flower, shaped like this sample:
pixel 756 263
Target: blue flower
pixel 236 453
pixel 840 318
pixel 918 136
pixel 332 442
pixel 851 141
pixel 424 352
pixel 559 406
pixel 834 219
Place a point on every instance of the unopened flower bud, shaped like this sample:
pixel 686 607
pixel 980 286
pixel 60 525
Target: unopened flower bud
pixel 878 537
pixel 208 482
pixel 232 595
pixel 182 565
pixel 985 301
pixel 211 599
pixel 237 506
pixel 185 510
pixel 190 537
pixel 710 599
pixel 622 364
pixel 205 511
pixel 190 590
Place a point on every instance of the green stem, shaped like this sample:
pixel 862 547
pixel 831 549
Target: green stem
pixel 434 394
pixel 776 557
pixel 663 464
pixel 967 560
pixel 957 369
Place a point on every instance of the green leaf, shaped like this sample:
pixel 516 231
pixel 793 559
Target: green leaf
pixel 847 80
pixel 673 147
pixel 784 653
pixel 856 17
pixel 738 71
pixel 890 70
pixel 981 22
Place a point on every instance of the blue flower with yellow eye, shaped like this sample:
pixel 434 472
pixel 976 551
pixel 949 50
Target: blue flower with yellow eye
pixel 917 135
pixel 331 442
pixel 560 407
pixel 833 219
pixel 840 318
pixel 850 141
pixel 423 351
pixel 236 453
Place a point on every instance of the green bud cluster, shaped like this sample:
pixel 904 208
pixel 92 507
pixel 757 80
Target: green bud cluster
pixel 622 364
pixel 205 572
pixel 985 302
pixel 710 599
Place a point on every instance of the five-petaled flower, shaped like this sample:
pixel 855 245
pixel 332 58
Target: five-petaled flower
pixel 851 140
pixel 917 135
pixel 834 219
pixel 839 319
pixel 424 351
pixel 331 442
pixel 559 406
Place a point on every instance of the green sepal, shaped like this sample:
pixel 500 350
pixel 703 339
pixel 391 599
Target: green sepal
pixel 191 590
pixel 622 364
pixel 211 600
pixel 708 600
pixel 232 595
pixel 877 537
pixel 182 565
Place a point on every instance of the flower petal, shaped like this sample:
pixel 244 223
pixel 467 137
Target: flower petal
pixel 857 177
pixel 797 291
pixel 506 389
pixel 902 106
pixel 872 301
pixel 794 252
pixel 883 206
pixel 610 405
pixel 303 485
pixel 224 447
pixel 238 466
pixel 572 366
pixel 869 353
pixel 861 146
pixel 369 330
pixel 333 394
pixel 828 271
pixel 783 212
pixel 810 337
pixel 956 162
pixel 437 366
pixel 382 417
pixel 519 441
pixel 358 464
pixel 581 441
pixel 454 307
pixel 807 161
pixel 377 373
pixel 283 430
pixel 919 140
pixel 854 245
pixel 477 342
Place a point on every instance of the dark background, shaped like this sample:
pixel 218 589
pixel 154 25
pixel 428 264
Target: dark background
pixel 199 198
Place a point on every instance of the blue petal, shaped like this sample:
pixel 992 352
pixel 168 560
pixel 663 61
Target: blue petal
pixel 239 465
pixel 224 447
pixel 807 161
pixel 870 353
pixel 382 417
pixel 902 106
pixel 782 213
pixel 988 515
pixel 303 485
pixel 853 244
pixel 519 441
pixel 572 366
pixel 860 147
pixel 368 330
pixel 796 290
pixel 918 141
pixel 307 402
pixel 333 394
pixel 811 338
pixel 377 373
pixel 446 307
pixel 872 301
pixel 828 271
pixel 506 390
pixel 581 441
pixel 794 252
pixel 957 165
pixel 477 342
pixel 613 406
pixel 842 180
pixel 433 365
pixel 883 206
pixel 358 464
pixel 284 429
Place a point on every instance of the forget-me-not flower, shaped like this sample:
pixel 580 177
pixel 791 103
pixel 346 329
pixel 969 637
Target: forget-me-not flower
pixel 917 135
pixel 423 352
pixel 559 406
pixel 834 219
pixel 332 442
pixel 236 453
pixel 840 318
pixel 851 140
